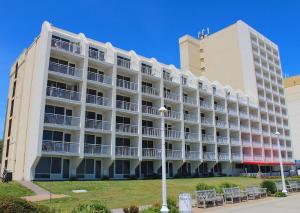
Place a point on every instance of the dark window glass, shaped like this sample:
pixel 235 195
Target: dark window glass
pixel 90 139
pixel 16 70
pixel 12 107
pixel 80 168
pixel 7 148
pixel 89 166
pixel 43 165
pixel 67 137
pixel 9 127
pixel 47 135
pixel 49 109
pixel 57 136
pixel 56 166
pixel 14 89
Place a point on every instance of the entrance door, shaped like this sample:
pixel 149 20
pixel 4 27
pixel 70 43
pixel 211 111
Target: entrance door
pixel 66 166
pixel 169 168
pixel 98 169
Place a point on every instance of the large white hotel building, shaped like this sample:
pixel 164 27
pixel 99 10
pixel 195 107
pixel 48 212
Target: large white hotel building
pixel 81 108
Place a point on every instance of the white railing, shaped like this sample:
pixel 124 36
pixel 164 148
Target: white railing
pixel 255 130
pixel 209 156
pixel 172 134
pixel 219 92
pixel 172 114
pixel 126 128
pixel 123 63
pixel 246 142
pixel 221 124
pixel 192 155
pixel 63 93
pixel 151 153
pixel 222 140
pixel 171 96
pixel 150 71
pixel 61 119
pixel 205 104
pixel 235 141
pixel 96 54
pixel 243 115
pixel 206 121
pixel 236 156
pixel 232 111
pixel 150 110
pixel 256 144
pixel 267 145
pixel 191 136
pixel 247 157
pixel 126 105
pixel 127 84
pixel 101 101
pixel 150 90
pixel 173 154
pixel 98 124
pixel 257 157
pixel 219 108
pixel 126 151
pixel 223 156
pixel 233 126
pixel 95 149
pixel 59 146
pixel 64 69
pixel 151 131
pixel 190 117
pixel 244 128
pixel 66 46
pixel 208 138
pixel 189 100
pixel 101 78
pixel 243 100
pixel 268 158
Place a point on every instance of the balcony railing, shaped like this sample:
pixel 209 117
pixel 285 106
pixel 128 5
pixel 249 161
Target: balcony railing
pixel 246 142
pixel 126 128
pixel 233 126
pixel 243 115
pixel 236 156
pixel 235 141
pixel 192 155
pixel 208 139
pixel 173 154
pixel 151 153
pixel 61 120
pixel 244 128
pixel 65 69
pixel 247 157
pixel 151 131
pixel 126 151
pixel 221 124
pixel 123 63
pixel 98 124
pixel 205 104
pixel 66 46
pixel 257 157
pixel 95 149
pixel 222 140
pixel 219 108
pixel 127 84
pixel 63 93
pixel 150 110
pixel 255 130
pixel 210 156
pixel 171 96
pixel 256 144
pixel 223 156
pixel 173 134
pixel 101 101
pixel 96 54
pixel 232 112
pixel 150 90
pixel 206 121
pixel 101 78
pixel 50 146
pixel 172 114
pixel 190 117
pixel 129 106
pixel 191 136
pixel 189 100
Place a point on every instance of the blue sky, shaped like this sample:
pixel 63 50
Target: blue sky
pixel 151 28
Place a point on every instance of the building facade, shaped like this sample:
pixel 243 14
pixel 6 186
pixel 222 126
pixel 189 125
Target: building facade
pixel 85 109
pixel 292 93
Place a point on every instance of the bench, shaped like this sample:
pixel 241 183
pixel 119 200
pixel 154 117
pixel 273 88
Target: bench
pixel 205 197
pixel 235 193
pixel 279 187
pixel 254 192
pixel 294 185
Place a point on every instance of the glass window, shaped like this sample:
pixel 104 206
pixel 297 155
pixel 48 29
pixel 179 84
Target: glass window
pixel 47 135
pixel 56 166
pixel 80 168
pixel 49 109
pixel 89 169
pixel 57 136
pixel 43 165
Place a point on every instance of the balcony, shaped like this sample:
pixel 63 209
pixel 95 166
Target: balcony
pixel 256 144
pixel 171 96
pixel 223 157
pixel 254 117
pixel 128 106
pixel 97 100
pixel 65 69
pixel 209 156
pixel 236 156
pixel 191 118
pixel 66 46
pixel 222 140
pixel 99 78
pixel 235 141
pixel 172 134
pixel 151 131
pixel 126 128
pixel 63 120
pixel 244 115
pixel 205 104
pixel 267 145
pixel 189 100
pixel 247 157
pixel 147 70
pixel 246 142
pixel 96 54
pixel 128 85
pixel 150 90
pixel 233 126
pixel 63 94
pixel 126 151
pixel 232 112
pixel 221 124
pixel 149 110
pixel 244 128
pixel 172 114
pixel 208 139
pixel 59 147
pixel 124 63
pixel 257 157
pixel 206 121
pixel 255 130
pixel 97 150
pixel 173 154
pixel 188 136
pixel 219 108
pixel 151 153
pixel 97 125
pixel 192 155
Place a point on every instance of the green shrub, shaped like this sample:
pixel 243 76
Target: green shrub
pixel 269 185
pixel 131 209
pixel 9 204
pixel 219 189
pixel 280 194
pixel 203 186
pixel 172 206
pixel 91 207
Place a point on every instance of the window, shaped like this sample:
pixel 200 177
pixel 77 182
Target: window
pixel 147 103
pixel 7 148
pixel 200 85
pixel 123 98
pixel 56 166
pixel 146 84
pixel 16 70
pixel 12 108
pixel 42 170
pixel 9 127
pixel 123 167
pixel 146 123
pixel 89 166
pixel 122 141
pixel 167 75
pixel 123 62
pixel 123 120
pixel 183 80
pixel 147 144
pixel 14 89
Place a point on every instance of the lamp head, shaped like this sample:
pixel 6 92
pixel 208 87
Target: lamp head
pixel 277 133
pixel 162 109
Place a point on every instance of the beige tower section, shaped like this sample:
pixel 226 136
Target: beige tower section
pixel 292 93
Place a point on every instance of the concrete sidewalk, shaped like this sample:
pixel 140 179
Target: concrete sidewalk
pixel 290 204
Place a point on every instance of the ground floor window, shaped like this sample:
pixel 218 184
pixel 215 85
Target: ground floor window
pixel 85 167
pixel 123 167
pixel 147 168
pixel 47 166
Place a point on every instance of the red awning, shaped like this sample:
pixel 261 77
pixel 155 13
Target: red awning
pixel 267 163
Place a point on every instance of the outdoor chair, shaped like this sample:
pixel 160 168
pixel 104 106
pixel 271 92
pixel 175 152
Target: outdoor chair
pixel 206 197
pixel 232 194
pixel 254 192
pixel 279 187
pixel 294 185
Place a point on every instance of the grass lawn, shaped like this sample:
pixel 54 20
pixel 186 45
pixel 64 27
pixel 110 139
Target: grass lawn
pixel 118 194
pixel 14 189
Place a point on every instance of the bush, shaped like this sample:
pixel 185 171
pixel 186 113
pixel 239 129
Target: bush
pixel 131 209
pixel 172 205
pixel 203 186
pixel 91 207
pixel 280 194
pixel 269 185
pixel 9 204
pixel 225 185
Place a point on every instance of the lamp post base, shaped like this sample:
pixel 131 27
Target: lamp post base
pixel 164 209
pixel 285 191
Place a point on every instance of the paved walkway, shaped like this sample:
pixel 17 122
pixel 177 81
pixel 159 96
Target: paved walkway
pixel 40 193
pixel 290 204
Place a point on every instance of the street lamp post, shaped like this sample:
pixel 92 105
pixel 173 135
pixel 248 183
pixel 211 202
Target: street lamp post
pixel 281 166
pixel 164 208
